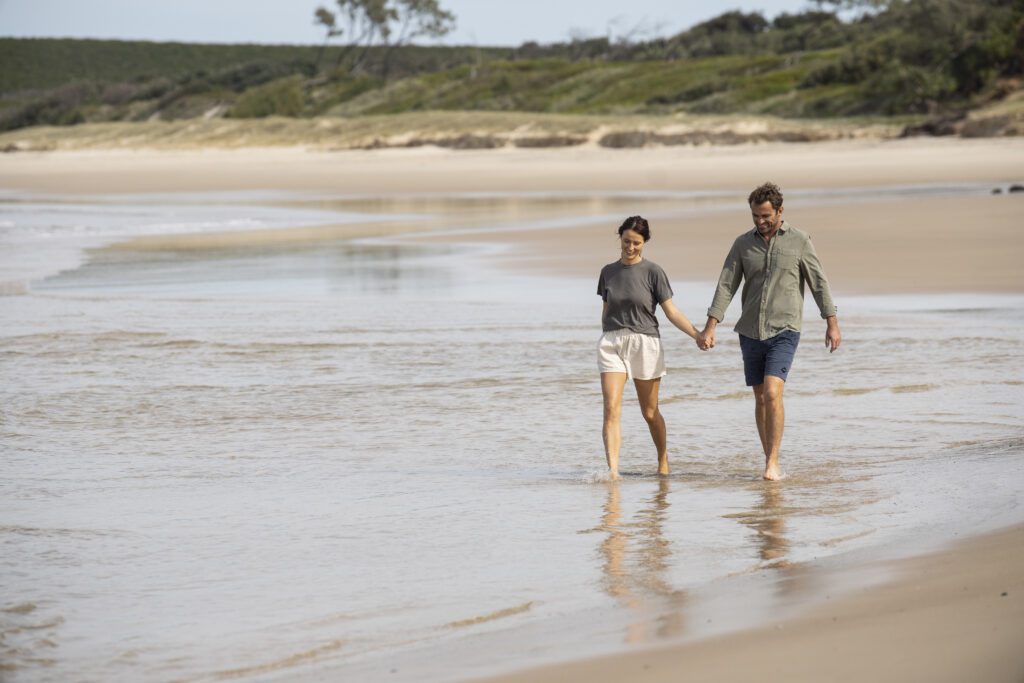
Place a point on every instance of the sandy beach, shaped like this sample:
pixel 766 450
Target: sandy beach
pixel 875 243
pixel 949 616
pixel 897 217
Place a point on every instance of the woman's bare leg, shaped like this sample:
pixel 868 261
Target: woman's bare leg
pixel 647 393
pixel 612 384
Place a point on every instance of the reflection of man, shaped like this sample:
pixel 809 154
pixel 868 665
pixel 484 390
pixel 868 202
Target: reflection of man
pixel 773 261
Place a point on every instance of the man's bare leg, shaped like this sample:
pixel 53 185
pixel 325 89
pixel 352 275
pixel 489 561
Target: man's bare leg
pixel 612 384
pixel 771 419
pixel 759 416
pixel 647 393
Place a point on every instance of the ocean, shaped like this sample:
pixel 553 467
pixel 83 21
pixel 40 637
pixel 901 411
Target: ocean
pixel 373 458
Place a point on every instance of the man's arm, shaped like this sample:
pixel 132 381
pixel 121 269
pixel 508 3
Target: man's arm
pixel 814 274
pixel 728 282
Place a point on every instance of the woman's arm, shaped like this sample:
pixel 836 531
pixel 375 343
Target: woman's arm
pixel 676 317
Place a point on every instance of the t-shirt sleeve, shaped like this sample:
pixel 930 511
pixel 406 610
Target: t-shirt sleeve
pixel 661 287
pixel 601 285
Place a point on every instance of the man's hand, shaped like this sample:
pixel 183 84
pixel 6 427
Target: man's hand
pixel 706 340
pixel 832 334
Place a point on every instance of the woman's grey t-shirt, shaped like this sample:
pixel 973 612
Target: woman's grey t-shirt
pixel 633 294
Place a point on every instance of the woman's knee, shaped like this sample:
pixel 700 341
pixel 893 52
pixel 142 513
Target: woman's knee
pixel 651 413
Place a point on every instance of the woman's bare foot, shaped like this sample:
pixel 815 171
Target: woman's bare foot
pixel 772 471
pixel 663 467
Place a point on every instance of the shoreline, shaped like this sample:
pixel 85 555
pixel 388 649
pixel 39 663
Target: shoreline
pixel 941 615
pixel 965 241
pixel 824 165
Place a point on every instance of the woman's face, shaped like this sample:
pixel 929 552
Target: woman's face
pixel 632 244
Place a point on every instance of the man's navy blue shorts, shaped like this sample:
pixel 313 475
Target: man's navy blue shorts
pixel 772 356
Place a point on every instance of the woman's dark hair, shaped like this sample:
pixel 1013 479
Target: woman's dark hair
pixel 637 224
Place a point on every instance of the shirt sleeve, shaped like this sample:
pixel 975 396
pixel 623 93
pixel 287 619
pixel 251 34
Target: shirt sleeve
pixel 661 287
pixel 814 275
pixel 728 282
pixel 601 286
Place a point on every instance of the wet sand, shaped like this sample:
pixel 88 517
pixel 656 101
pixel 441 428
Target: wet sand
pixel 953 615
pixel 868 244
pixel 945 617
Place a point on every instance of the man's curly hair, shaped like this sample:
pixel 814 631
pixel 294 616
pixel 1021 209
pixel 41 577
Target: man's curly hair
pixel 769 192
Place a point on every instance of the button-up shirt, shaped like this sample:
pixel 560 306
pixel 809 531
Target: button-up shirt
pixel 773 275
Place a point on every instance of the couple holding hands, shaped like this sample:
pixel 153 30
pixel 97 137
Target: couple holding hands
pixel 774 261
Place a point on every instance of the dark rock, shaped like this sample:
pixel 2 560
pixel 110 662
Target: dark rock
pixel 1016 188
pixel 625 139
pixel 990 127
pixel 937 127
pixel 549 141
pixel 469 142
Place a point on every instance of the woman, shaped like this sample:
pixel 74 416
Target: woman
pixel 630 347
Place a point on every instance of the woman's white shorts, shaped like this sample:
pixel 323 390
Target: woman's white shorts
pixel 640 356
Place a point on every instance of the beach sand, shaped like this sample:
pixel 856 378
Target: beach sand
pixel 950 616
pixel 869 244
pixel 954 616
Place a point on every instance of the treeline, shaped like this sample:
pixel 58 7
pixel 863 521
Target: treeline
pixel 906 57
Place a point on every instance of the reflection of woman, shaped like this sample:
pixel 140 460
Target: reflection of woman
pixel 630 347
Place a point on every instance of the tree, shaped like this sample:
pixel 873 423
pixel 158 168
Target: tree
pixel 414 19
pixel 326 19
pixel 385 23
pixel 864 5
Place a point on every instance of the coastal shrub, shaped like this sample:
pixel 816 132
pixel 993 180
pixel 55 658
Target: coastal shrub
pixel 284 97
pixel 60 107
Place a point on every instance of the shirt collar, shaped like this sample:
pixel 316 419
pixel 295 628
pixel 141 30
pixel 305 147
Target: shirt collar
pixel 783 229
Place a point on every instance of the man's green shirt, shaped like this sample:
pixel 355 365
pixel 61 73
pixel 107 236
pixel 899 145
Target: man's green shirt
pixel 773 276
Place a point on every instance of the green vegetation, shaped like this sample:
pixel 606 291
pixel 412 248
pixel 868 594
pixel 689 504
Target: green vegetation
pixel 938 58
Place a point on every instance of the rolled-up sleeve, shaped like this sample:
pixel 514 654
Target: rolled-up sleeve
pixel 728 283
pixel 814 275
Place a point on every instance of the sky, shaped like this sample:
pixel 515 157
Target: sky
pixel 479 22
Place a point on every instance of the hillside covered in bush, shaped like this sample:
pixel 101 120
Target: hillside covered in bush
pixel 911 58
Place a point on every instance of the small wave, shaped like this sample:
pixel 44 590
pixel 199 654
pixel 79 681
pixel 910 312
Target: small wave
pixel 14 288
pixel 22 608
pixel 854 391
pixel 284 663
pixel 912 388
pixel 832 542
pixel 484 618
pixel 35 531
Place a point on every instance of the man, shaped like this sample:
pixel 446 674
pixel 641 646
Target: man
pixel 773 260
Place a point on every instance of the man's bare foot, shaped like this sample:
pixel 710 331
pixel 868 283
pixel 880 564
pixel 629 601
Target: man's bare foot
pixel 663 468
pixel 613 475
pixel 772 472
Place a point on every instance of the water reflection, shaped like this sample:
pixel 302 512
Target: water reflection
pixel 636 556
pixel 338 267
pixel 768 521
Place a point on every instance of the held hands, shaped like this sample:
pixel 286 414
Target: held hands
pixel 705 339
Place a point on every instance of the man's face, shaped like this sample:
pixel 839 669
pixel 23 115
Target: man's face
pixel 766 219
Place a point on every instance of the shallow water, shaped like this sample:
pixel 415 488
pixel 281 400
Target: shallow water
pixel 342 458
